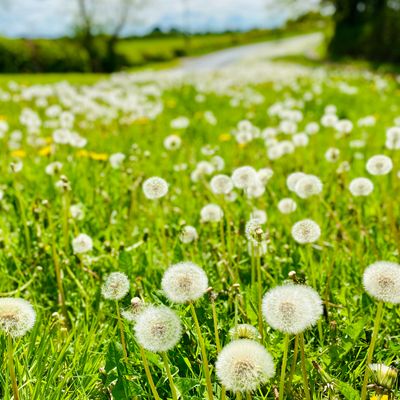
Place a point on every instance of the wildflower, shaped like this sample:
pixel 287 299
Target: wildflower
pixel 383 375
pixel 264 175
pixel 172 142
pixel 188 234
pixel 184 282
pixel 382 281
pixel 292 179
pixel 243 365
pixel 82 244
pixel 306 231
pixel 332 154
pixel 77 212
pixel 116 286
pixel 287 206
pixel 308 186
pixel 292 308
pixel 379 165
pixel 17 316
pixel 135 308
pixel 259 215
pixel 53 168
pixel 243 177
pixel 158 328
pixel 116 160
pixel 155 188
pixel 361 187
pixel 221 184
pixel 211 213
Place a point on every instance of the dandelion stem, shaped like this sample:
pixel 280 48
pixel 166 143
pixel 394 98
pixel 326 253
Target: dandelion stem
pixel 283 367
pixel 259 300
pixel 203 353
pixel 217 340
pixel 294 360
pixel 66 222
pixel 169 375
pixel 10 352
pixel 148 374
pixel 377 322
pixel 303 368
pixel 121 331
pixel 248 396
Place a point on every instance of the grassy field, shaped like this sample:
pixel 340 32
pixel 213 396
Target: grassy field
pixel 60 178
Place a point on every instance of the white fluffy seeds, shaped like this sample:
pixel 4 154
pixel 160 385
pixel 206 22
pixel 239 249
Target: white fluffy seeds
pixel 292 308
pixel 158 329
pixel 155 188
pixel 243 365
pixel 184 282
pixel 306 231
pixel 382 281
pixel 115 286
pixel 17 316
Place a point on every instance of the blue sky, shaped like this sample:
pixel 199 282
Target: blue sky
pixel 52 18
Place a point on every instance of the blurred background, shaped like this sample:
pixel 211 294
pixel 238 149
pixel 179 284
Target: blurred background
pixel 114 35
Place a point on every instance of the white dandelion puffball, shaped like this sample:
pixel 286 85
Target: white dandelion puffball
pixel 306 231
pixel 116 160
pixel 172 142
pixel 381 280
pixel 379 165
pixel 259 215
pixel 287 205
pixel 77 211
pixel 184 282
pixel 82 244
pixel 221 184
pixel 243 365
pixel 116 286
pixel 264 175
pixel 17 316
pixel 292 308
pixel 292 179
pixel 211 213
pixel 243 177
pixel 361 187
pixel 332 154
pixel 158 329
pixel 155 188
pixel 53 168
pixel 308 186
pixel 188 234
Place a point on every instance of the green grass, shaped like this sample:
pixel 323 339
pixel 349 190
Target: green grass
pixel 83 359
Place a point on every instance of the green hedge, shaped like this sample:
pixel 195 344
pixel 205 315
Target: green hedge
pixel 21 55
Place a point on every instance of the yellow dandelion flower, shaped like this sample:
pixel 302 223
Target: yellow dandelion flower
pixel 82 153
pixel 3 117
pixel 98 156
pixel 18 153
pixel 45 151
pixel 224 137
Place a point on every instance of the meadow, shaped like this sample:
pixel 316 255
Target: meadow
pixel 246 177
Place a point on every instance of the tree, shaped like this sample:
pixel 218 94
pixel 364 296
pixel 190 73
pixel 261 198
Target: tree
pixel 369 29
pixel 96 18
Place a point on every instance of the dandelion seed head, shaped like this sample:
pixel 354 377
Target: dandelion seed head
pixel 243 365
pixel 287 206
pixel 188 234
pixel 221 184
pixel 292 308
pixel 243 177
pixel 132 312
pixel 82 244
pixel 184 282
pixel 308 186
pixel 115 286
pixel 292 180
pixel 17 316
pixel 382 281
pixel 211 213
pixel 155 188
pixel 158 329
pixel 361 187
pixel 306 231
pixel 379 165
